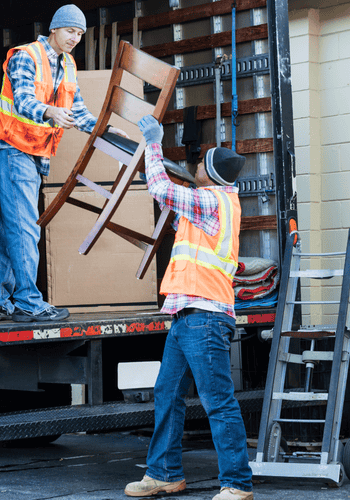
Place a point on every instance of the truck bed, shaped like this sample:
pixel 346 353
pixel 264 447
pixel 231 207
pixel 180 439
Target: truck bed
pixel 39 353
pixel 105 324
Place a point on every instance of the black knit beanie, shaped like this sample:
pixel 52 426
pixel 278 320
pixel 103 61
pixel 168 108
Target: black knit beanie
pixel 223 165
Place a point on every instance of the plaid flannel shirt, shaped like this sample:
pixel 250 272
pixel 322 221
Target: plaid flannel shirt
pixel 21 72
pixel 199 206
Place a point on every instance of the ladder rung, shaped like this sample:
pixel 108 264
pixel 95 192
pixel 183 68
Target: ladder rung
pixel 300 421
pixel 306 357
pixel 316 273
pixel 311 302
pixel 329 254
pixel 300 396
pixel 309 334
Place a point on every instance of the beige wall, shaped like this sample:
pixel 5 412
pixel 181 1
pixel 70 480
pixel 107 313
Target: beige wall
pixel 320 57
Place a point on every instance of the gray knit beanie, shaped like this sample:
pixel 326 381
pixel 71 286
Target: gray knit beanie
pixel 223 165
pixel 68 15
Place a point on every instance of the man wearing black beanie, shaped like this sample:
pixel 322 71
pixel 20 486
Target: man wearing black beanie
pixel 199 296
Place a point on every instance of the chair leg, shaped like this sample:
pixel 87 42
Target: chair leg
pixel 115 200
pixel 164 221
pixel 56 203
pixel 68 186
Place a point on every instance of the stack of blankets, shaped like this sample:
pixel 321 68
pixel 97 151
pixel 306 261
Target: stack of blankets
pixel 255 279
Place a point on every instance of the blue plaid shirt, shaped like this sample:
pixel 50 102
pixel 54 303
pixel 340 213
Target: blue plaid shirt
pixel 21 73
pixel 199 206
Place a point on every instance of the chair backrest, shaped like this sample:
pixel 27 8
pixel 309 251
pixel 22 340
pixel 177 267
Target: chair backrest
pixel 147 68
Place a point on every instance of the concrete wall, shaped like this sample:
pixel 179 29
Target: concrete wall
pixel 320 56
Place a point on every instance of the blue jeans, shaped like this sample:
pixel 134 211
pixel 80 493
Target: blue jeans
pixel 19 233
pixel 198 344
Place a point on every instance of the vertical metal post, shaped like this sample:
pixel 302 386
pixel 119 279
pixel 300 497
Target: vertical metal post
pixel 104 15
pixel 38 29
pixel 283 135
pixel 179 91
pixel 309 370
pixel 218 54
pixel 94 372
pixel 218 63
pixel 6 37
pixel 234 102
pixel 268 243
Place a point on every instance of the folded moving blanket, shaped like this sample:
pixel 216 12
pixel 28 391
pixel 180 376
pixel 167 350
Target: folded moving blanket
pixel 269 300
pixel 255 278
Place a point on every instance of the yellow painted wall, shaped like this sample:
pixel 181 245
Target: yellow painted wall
pixel 320 57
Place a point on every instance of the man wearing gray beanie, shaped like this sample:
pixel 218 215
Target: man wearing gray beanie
pixel 40 98
pixel 198 288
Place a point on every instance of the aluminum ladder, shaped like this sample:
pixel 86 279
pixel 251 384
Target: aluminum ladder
pixel 329 464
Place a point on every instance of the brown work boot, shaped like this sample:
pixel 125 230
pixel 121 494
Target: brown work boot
pixel 227 493
pixel 148 487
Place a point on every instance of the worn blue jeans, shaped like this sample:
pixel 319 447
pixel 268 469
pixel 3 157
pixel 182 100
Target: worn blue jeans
pixel 198 344
pixel 19 233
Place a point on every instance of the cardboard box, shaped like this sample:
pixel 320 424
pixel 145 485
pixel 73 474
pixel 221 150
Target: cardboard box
pixel 93 86
pixel 103 280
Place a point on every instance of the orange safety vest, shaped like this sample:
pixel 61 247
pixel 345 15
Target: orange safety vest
pixel 39 139
pixel 203 265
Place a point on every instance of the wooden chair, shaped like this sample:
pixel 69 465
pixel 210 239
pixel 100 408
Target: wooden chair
pixel 131 154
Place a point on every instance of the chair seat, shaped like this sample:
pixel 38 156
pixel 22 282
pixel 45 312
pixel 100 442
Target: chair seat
pixel 130 146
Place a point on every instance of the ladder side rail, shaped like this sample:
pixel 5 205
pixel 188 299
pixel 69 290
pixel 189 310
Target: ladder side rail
pixel 284 342
pixel 292 288
pixel 265 421
pixel 336 388
pixel 336 445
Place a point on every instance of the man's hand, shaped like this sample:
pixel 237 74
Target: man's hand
pixel 118 131
pixel 62 117
pixel 151 129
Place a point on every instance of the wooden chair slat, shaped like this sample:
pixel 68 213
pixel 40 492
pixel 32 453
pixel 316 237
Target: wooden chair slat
pixel 146 67
pixel 129 106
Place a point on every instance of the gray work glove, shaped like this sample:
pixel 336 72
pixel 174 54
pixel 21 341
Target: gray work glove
pixel 151 130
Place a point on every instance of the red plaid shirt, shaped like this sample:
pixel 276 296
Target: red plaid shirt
pixel 199 206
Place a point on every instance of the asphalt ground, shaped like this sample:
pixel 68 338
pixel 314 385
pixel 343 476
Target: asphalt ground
pixel 98 466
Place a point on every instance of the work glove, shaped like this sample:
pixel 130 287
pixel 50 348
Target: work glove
pixel 152 131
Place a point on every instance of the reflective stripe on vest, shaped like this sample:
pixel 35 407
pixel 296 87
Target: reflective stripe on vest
pixel 70 72
pixel 36 54
pixel 8 108
pixel 219 258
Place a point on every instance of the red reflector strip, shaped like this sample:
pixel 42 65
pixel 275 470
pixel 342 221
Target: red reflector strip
pixel 71 332
pixel 93 330
pixel 143 327
pixel 261 318
pixel 16 336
